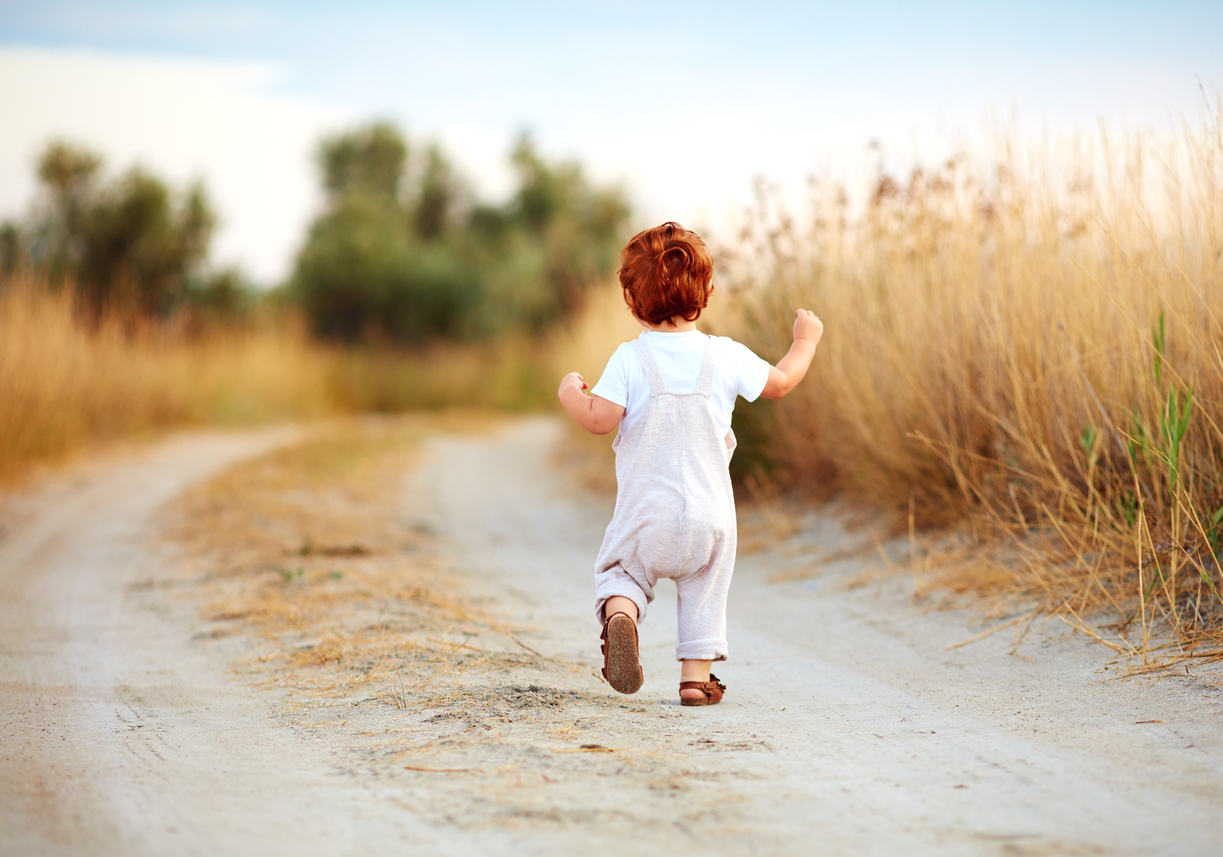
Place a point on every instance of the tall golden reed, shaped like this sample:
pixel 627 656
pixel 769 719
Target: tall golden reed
pixel 1041 356
pixel 64 382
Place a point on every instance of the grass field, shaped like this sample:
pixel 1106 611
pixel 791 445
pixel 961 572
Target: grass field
pixel 1039 359
pixel 66 382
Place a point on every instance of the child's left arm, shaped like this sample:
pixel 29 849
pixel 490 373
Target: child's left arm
pixel 791 369
pixel 595 414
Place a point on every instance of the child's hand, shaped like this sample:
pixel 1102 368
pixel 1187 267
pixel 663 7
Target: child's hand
pixel 792 368
pixel 808 326
pixel 572 380
pixel 595 414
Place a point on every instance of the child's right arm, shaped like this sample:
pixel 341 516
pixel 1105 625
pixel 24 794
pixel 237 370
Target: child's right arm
pixel 595 414
pixel 791 369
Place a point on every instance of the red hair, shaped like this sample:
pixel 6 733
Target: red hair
pixel 666 272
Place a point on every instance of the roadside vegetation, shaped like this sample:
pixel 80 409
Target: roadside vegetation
pixel 408 293
pixel 66 382
pixel 1039 360
pixel 404 253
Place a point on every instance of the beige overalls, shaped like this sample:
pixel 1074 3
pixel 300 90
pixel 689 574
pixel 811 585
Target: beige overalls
pixel 675 511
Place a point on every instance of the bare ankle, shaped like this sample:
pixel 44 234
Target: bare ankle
pixel 620 604
pixel 691 670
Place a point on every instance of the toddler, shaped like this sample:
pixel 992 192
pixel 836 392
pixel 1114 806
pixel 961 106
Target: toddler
pixel 671 392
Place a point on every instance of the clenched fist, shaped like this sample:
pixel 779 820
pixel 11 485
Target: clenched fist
pixel 572 380
pixel 808 326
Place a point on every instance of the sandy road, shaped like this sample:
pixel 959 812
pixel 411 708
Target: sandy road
pixel 119 737
pixel 847 728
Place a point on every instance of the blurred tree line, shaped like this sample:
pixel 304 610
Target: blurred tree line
pixel 403 252
pixel 130 243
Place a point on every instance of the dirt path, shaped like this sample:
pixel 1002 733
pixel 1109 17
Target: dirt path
pixel 847 728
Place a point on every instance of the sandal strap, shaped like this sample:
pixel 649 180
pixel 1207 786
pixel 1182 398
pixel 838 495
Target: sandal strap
pixel 713 690
pixel 706 686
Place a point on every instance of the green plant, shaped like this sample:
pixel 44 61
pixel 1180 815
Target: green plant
pixel 1159 341
pixel 1127 507
pixel 1214 524
pixel 131 243
pixel 1175 414
pixel 404 254
pixel 1088 443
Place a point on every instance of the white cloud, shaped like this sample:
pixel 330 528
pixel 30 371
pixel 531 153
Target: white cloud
pixel 221 122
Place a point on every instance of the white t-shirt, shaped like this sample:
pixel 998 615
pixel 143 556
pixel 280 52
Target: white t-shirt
pixel 739 373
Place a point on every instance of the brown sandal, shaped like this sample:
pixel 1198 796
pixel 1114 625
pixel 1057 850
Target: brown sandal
pixel 621 666
pixel 713 691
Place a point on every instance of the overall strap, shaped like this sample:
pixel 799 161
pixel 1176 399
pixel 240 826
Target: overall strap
pixel 657 385
pixel 705 381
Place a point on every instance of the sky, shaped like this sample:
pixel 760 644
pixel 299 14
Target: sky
pixel 685 105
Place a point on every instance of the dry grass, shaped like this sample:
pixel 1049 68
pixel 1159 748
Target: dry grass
pixel 509 374
pixel 1040 359
pixel 307 550
pixel 64 383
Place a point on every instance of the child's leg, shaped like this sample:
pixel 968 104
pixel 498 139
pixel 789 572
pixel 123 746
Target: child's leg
pixel 621 656
pixel 702 615
pixel 616 583
pixel 691 670
pixel 702 621
pixel 620 604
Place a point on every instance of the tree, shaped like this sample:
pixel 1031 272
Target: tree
pixel 68 175
pixel 403 252
pixel 370 267
pixel 369 162
pixel 11 251
pixel 578 225
pixel 363 275
pixel 439 197
pixel 132 243
pixel 141 246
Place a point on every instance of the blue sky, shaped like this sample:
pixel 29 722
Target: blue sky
pixel 683 103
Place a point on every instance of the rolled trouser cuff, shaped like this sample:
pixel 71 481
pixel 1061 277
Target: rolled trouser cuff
pixel 712 649
pixel 624 587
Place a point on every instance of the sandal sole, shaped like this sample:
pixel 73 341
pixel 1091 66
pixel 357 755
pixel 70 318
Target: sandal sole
pixel 623 669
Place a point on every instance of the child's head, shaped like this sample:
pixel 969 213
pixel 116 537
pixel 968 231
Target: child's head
pixel 666 272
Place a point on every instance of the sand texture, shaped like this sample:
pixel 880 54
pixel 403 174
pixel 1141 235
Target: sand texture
pixel 136 721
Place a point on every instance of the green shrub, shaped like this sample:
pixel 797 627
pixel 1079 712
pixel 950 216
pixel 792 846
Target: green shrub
pixel 404 254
